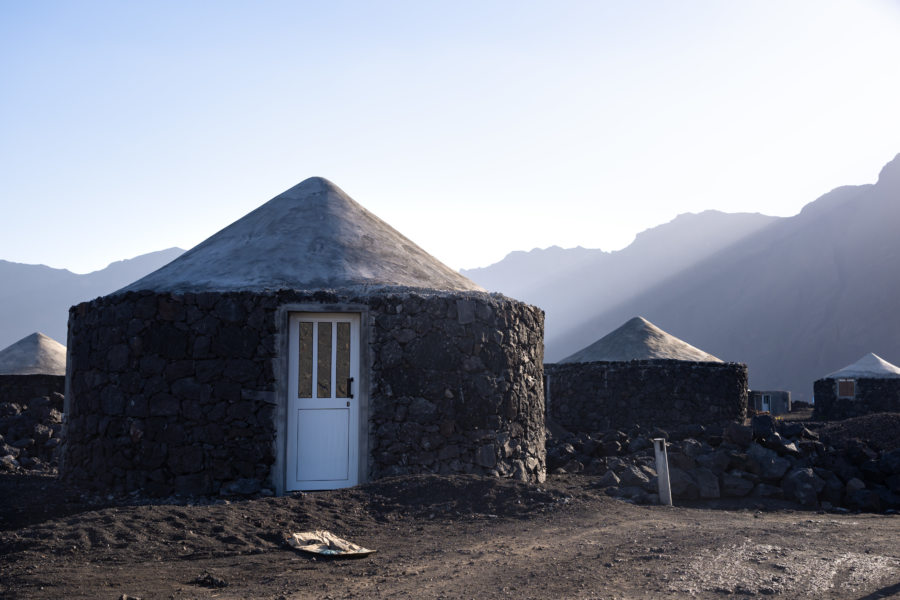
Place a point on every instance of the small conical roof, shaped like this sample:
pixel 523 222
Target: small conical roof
pixel 870 366
pixel 313 236
pixel 639 339
pixel 35 354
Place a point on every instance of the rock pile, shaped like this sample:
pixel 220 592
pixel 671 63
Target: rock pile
pixel 765 460
pixel 29 434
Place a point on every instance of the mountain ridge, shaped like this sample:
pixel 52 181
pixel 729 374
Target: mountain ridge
pixel 38 297
pixel 795 299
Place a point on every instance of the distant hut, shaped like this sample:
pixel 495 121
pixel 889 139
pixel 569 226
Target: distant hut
pixel 308 345
pixel 774 402
pixel 641 375
pixel 870 385
pixel 35 366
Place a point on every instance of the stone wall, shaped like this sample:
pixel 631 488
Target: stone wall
pixel 826 465
pixel 170 393
pixel 177 393
pixel 457 387
pixel 598 396
pixel 22 388
pixel 872 396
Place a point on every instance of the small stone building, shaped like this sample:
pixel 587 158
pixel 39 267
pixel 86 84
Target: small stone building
pixel 33 367
pixel 870 385
pixel 641 375
pixel 308 345
pixel 774 402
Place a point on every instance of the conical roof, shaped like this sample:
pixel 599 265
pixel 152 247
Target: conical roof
pixel 35 354
pixel 870 366
pixel 639 339
pixel 313 236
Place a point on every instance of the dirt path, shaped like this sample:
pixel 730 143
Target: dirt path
pixel 451 537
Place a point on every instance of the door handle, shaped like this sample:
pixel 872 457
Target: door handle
pixel 349 387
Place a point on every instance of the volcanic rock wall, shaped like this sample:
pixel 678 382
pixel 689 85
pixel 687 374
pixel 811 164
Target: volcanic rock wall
pixel 598 396
pixel 872 396
pixel 22 388
pixel 457 387
pixel 177 393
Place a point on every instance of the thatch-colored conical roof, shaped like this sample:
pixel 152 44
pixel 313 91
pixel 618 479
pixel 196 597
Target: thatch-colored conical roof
pixel 639 339
pixel 35 354
pixel 313 236
pixel 870 366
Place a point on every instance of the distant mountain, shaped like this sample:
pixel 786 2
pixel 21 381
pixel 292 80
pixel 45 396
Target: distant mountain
pixel 572 285
pixel 37 297
pixel 795 299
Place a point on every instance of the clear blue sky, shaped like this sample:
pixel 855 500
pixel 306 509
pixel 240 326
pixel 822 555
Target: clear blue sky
pixel 475 128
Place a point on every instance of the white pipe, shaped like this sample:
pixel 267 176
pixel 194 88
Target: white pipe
pixel 662 471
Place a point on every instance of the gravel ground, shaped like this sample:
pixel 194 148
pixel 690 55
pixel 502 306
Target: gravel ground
pixel 436 537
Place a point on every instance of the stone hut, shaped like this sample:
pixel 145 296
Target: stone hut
pixel 641 375
pixel 308 345
pixel 33 367
pixel 870 385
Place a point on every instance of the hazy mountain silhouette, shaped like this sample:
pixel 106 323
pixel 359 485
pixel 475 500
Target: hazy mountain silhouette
pixel 572 285
pixel 37 297
pixel 795 299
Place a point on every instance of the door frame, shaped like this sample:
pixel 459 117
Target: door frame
pixel 281 369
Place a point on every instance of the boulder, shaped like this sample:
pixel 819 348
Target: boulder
pixel 737 434
pixel 871 471
pixel 681 461
pixel 854 485
pixel 682 485
pixel 762 426
pixel 610 448
pixel 802 486
pixel 859 452
pixel 735 486
pixel 766 463
pixel 866 500
pixel 893 483
pixel 638 444
pixel 573 466
pixel 610 479
pixel 716 461
pixel 707 482
pixel 632 475
pixel 693 448
pixel 889 463
pixel 833 492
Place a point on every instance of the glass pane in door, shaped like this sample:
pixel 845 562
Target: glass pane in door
pixel 305 377
pixel 324 360
pixel 342 361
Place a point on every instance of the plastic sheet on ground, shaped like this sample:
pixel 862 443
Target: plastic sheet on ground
pixel 327 544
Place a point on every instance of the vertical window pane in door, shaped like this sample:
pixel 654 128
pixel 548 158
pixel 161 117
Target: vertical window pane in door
pixel 342 358
pixel 324 359
pixel 305 379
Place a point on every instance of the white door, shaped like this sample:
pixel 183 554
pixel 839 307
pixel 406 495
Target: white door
pixel 323 406
pixel 766 403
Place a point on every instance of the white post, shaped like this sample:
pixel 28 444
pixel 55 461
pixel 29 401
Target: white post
pixel 662 471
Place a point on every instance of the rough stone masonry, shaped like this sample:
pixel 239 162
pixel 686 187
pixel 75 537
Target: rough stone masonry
pixel 596 396
pixel 175 393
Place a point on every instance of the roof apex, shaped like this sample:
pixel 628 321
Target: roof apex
pixel 639 339
pixel 34 354
pixel 870 366
pixel 312 236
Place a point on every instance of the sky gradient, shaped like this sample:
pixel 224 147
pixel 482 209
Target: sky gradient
pixel 474 128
